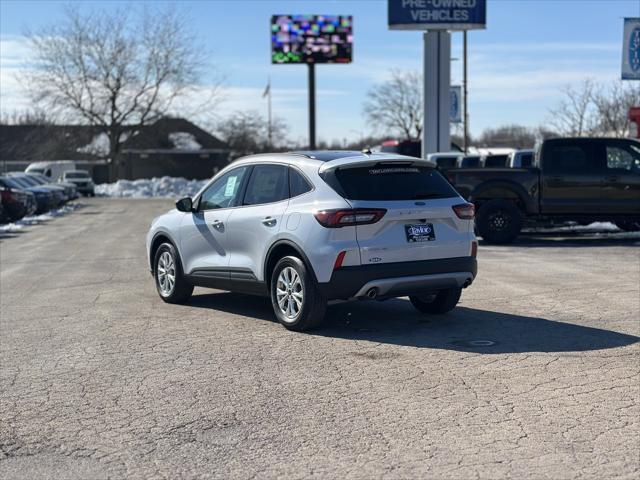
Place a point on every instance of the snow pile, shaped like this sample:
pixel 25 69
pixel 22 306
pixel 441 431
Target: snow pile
pixel 184 141
pixel 99 146
pixel 171 187
pixel 36 219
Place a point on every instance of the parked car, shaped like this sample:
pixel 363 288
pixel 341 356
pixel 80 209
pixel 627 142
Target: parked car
pixel 44 196
pixel 495 161
pixel 573 179
pixel 411 148
pixel 308 227
pixel 470 161
pixel 16 202
pixel 53 170
pixel 445 161
pixel 60 194
pixel 81 179
pixel 521 159
pixel 70 190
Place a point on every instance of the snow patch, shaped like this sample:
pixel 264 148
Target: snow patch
pixel 184 141
pixel 99 146
pixel 36 219
pixel 164 187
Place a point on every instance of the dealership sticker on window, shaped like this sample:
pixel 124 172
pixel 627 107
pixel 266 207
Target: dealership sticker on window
pixel 230 189
pixel 379 171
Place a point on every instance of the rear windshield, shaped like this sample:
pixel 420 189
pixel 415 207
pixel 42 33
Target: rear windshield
pixel 389 182
pixel 496 161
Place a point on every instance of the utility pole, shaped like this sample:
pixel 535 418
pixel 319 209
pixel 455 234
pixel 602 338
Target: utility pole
pixel 312 106
pixel 464 93
pixel 270 126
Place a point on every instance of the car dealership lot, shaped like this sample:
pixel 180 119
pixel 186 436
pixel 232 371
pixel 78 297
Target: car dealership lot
pixel 536 373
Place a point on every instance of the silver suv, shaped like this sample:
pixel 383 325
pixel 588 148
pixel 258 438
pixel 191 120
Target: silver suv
pixel 306 228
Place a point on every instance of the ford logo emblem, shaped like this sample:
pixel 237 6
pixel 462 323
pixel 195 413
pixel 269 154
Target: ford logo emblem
pixel 634 50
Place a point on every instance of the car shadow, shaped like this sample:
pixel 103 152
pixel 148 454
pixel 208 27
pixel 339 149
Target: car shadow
pixel 465 329
pixel 573 239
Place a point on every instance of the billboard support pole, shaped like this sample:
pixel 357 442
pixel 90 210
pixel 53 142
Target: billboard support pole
pixel 436 135
pixel 464 92
pixel 312 106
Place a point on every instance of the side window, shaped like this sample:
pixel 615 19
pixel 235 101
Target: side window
pixel 223 192
pixel 620 158
pixel 267 184
pixel 47 172
pixel 297 183
pixel 574 158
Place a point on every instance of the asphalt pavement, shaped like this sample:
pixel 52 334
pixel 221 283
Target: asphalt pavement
pixel 535 375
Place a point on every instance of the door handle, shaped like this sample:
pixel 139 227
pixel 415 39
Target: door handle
pixel 269 222
pixel 217 224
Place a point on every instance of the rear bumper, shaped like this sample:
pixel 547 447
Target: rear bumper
pixel 400 279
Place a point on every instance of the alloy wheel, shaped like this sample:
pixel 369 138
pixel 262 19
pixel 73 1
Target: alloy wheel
pixel 289 293
pixel 166 273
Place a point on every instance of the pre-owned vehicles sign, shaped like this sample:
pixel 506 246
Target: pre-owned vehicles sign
pixel 631 49
pixel 437 14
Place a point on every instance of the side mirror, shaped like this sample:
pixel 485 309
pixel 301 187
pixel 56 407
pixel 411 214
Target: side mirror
pixel 185 204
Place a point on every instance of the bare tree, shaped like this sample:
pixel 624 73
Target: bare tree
pixel 26 117
pixel 574 115
pixel 247 132
pixel 612 106
pixel 116 70
pixel 396 105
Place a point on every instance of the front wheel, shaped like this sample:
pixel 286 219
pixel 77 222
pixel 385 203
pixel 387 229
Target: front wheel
pixel 442 302
pixel 295 296
pixel 167 272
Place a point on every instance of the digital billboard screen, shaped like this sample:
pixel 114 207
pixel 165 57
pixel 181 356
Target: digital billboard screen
pixel 311 39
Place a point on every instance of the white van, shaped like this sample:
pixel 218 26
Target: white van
pixel 53 170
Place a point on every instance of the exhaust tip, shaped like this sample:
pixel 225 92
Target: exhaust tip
pixel 372 293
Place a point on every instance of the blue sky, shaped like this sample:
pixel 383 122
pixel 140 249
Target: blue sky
pixel 517 66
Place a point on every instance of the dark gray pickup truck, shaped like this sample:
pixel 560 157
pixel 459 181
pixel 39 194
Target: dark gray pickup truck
pixel 573 179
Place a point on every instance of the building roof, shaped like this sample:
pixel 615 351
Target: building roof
pixel 85 142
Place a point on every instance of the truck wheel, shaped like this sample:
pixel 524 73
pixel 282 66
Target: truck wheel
pixel 499 221
pixel 442 302
pixel 628 226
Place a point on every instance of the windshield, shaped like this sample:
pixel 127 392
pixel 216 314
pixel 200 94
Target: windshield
pixel 11 182
pixel 390 182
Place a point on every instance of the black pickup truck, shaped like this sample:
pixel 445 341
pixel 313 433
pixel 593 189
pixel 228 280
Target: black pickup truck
pixel 573 179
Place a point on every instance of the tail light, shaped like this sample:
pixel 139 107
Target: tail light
pixel 349 217
pixel 474 249
pixel 465 211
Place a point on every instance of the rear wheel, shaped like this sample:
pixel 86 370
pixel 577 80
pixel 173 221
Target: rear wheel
pixel 296 299
pixel 499 221
pixel 442 302
pixel 628 226
pixel 167 272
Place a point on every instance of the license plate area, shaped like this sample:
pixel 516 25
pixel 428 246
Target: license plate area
pixel 422 232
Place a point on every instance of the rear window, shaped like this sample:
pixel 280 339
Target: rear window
pixel 389 182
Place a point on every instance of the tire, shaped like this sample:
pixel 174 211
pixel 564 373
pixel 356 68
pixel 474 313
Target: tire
pixel 167 260
pixel 499 222
pixel 295 288
pixel 442 302
pixel 628 225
